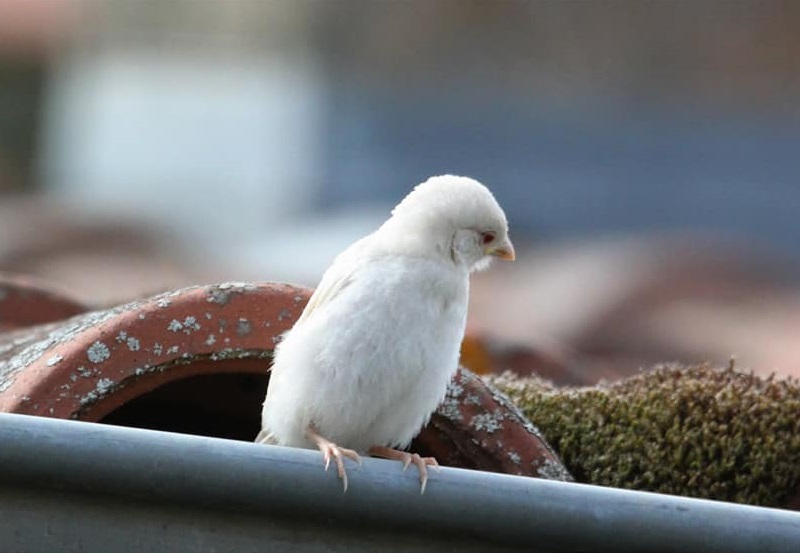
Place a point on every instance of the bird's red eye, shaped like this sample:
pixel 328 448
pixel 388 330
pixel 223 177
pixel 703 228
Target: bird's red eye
pixel 487 238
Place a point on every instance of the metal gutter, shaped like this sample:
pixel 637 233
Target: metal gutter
pixel 67 485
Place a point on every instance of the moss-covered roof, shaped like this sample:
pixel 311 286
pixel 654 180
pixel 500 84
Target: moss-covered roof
pixel 694 431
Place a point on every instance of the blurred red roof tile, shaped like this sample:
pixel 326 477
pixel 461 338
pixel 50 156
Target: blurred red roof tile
pixel 25 301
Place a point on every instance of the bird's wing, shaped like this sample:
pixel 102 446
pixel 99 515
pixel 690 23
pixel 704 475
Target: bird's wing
pixel 332 283
pixel 338 276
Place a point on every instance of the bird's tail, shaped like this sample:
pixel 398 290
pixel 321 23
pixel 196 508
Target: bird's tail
pixel 265 437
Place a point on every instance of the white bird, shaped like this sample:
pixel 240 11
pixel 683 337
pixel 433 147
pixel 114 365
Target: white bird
pixel 371 356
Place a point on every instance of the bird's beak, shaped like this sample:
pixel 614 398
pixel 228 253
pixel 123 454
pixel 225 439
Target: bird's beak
pixel 504 250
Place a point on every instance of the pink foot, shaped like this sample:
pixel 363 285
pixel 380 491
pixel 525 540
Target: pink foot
pixel 331 450
pixel 422 463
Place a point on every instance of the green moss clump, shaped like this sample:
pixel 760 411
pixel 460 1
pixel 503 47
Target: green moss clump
pixel 693 431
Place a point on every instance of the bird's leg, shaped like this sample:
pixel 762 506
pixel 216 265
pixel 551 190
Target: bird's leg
pixel 330 449
pixel 422 463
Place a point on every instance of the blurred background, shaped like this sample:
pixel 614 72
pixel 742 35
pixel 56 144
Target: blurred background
pixel 647 155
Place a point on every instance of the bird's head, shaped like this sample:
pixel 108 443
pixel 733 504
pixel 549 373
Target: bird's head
pixel 455 217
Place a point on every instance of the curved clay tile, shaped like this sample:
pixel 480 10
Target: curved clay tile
pixel 25 301
pixel 196 360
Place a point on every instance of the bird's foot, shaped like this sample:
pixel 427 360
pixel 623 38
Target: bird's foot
pixel 422 463
pixel 331 450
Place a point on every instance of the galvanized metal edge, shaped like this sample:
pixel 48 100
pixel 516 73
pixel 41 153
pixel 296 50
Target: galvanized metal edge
pixel 86 458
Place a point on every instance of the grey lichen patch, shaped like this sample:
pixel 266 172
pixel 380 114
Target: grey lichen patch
pixel 284 314
pixel 243 327
pixel 190 325
pixel 157 349
pixel 221 293
pixel 466 377
pixel 54 360
pixel 220 297
pixel 211 340
pixel 454 389
pixel 172 350
pixel 165 299
pixel 553 470
pixel 132 343
pixel 98 352
pixel 103 388
pixel 23 348
pixel 450 407
pixel 187 326
pixel 472 399
pixel 514 457
pixel 84 372
pixel 104 385
pixel 5 348
pixel 487 422
pixel 237 353
pixel 512 409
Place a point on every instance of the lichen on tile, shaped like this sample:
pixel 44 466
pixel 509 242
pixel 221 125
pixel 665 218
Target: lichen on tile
pixel 221 293
pixel 243 327
pixel 98 352
pixel 487 422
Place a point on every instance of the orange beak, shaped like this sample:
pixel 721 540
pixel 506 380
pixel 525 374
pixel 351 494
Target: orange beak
pixel 504 250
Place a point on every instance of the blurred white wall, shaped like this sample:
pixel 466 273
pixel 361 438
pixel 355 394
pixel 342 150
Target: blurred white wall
pixel 214 148
pixel 202 119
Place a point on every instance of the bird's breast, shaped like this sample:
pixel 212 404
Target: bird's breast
pixel 381 355
pixel 422 305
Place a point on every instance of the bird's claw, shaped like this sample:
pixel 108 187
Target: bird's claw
pixel 422 463
pixel 330 449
